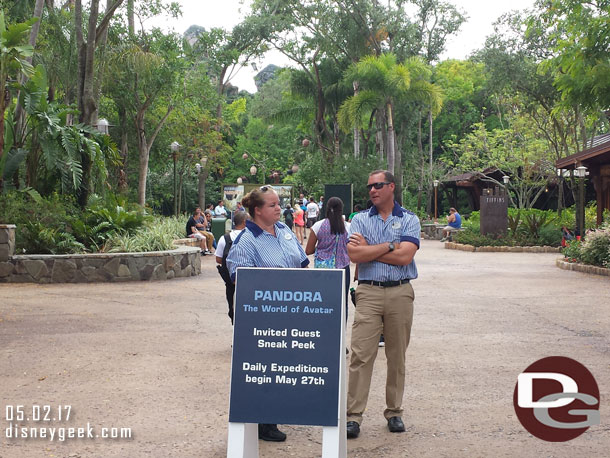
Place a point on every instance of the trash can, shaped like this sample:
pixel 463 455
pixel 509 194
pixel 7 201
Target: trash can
pixel 218 227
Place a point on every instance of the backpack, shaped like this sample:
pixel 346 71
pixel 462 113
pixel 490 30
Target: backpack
pixel 223 270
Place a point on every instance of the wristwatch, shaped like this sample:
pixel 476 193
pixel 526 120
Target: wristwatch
pixel 391 246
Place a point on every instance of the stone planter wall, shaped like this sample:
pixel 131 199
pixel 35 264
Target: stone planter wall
pixel 184 261
pixel 502 249
pixel 7 241
pixel 584 268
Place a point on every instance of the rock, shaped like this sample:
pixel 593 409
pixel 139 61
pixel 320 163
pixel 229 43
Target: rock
pixel 6 268
pixel 184 261
pixel 124 271
pixel 37 269
pixel 112 266
pixel 169 263
pixel 146 272
pixel 63 271
pixel 5 252
pixel 158 273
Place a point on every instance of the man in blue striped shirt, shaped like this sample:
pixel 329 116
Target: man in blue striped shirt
pixel 383 242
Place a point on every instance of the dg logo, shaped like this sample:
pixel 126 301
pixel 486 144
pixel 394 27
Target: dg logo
pixel 556 399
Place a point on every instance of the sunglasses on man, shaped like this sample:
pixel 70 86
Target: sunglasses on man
pixel 377 185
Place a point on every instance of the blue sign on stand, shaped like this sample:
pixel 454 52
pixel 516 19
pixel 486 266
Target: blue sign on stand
pixel 287 346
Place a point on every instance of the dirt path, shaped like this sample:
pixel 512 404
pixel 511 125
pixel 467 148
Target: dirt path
pixel 155 357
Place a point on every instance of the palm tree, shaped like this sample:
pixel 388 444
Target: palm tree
pixel 382 82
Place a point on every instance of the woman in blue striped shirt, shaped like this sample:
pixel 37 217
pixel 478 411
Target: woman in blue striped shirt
pixel 265 242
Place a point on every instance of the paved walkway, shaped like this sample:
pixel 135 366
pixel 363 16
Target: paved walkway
pixel 155 357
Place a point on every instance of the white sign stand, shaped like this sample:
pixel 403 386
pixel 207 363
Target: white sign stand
pixel 243 437
pixel 243 440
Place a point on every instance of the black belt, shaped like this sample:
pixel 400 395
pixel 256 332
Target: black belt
pixel 385 284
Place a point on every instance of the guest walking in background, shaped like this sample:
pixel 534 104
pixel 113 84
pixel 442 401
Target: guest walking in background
pixel 328 240
pixel 299 223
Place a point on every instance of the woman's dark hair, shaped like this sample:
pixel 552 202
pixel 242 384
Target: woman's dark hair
pixel 255 199
pixel 334 213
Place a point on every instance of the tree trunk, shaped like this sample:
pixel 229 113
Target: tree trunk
pixel 560 196
pixel 336 135
pixel 430 141
pixel 2 109
pixel 122 182
pixel 420 154
pixel 431 162
pixel 143 152
pixel 398 163
pixel 379 135
pixel 144 146
pixel 19 111
pixel 86 96
pixel 130 17
pixel 87 105
pixel 202 177
pixel 356 130
pixel 390 138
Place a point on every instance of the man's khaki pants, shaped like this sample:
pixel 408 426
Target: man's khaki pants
pixel 209 237
pixel 387 310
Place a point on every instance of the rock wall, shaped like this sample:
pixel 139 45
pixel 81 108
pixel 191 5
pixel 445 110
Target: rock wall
pixel 184 261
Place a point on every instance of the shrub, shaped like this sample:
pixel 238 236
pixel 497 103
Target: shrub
pixel 158 236
pixel 55 224
pixel 41 221
pixel 596 247
pixel 572 251
pixel 472 237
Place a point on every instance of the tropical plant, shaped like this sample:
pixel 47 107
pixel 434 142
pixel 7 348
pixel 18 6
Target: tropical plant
pixel 158 236
pixel 383 81
pixel 533 222
pixel 13 61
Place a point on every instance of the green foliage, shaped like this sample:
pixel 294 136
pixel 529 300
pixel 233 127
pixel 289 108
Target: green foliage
pixel 533 222
pixel 48 240
pixel 581 45
pixel 526 227
pixel 595 249
pixel 158 236
pixel 41 222
pixel 54 224
pixel 513 222
pixel 103 219
pixel 475 238
pixel 573 251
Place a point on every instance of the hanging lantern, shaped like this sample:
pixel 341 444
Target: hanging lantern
pixel 244 156
pixel 239 180
pixel 305 143
pixel 295 168
pixel 253 170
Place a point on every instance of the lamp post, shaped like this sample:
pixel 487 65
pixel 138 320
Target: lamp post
pixel 435 200
pixel 175 146
pixel 580 172
pixel 102 126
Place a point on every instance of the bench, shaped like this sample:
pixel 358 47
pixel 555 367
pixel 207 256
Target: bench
pixel 451 232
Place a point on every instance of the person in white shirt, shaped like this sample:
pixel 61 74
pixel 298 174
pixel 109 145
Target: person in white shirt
pixel 220 209
pixel 239 219
pixel 312 212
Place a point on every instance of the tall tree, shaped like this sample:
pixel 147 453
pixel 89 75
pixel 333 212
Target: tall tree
pixel 86 96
